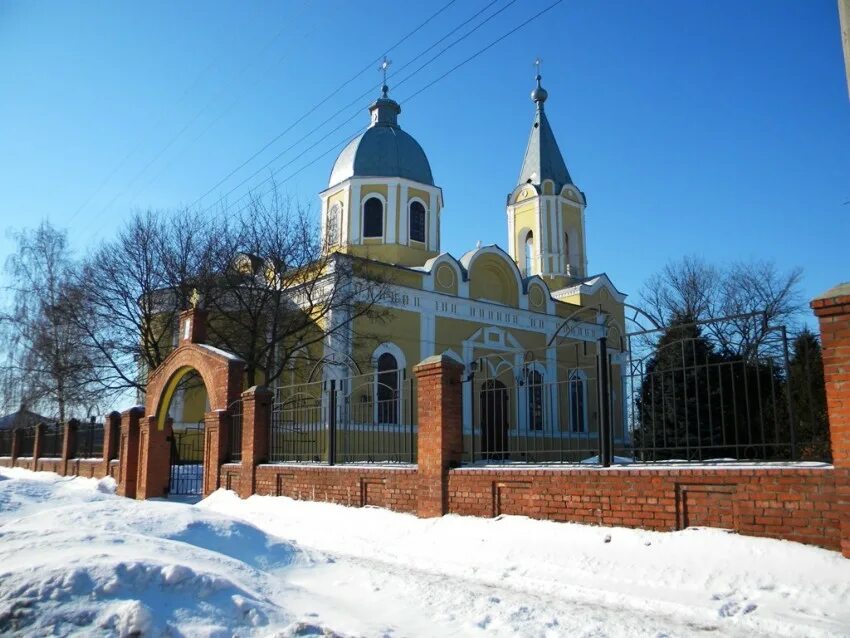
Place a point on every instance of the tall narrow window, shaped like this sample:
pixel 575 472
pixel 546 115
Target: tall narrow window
pixel 387 393
pixel 529 252
pixel 535 400
pixel 578 415
pixel 373 218
pixel 567 246
pixel 417 221
pixel 332 229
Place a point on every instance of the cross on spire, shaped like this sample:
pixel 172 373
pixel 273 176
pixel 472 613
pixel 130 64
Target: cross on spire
pixel 385 64
pixel 537 62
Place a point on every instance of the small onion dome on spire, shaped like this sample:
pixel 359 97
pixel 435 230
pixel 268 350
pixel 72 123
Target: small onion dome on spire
pixel 539 94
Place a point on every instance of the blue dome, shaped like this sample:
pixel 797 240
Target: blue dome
pixel 383 150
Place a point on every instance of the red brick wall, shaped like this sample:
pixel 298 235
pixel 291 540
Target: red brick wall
pixel 792 503
pixel 833 313
pixel 393 488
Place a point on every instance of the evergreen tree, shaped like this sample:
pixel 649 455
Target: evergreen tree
pixel 677 395
pixel 808 396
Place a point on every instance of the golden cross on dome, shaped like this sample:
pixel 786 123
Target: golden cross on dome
pixel 537 62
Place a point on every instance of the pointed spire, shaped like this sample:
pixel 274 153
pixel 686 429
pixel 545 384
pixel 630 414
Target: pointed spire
pixel 543 159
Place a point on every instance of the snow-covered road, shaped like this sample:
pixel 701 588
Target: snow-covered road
pixel 77 560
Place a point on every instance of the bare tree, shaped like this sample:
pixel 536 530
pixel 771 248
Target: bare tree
pixel 277 291
pixel 754 297
pixel 44 352
pixel 270 288
pixel 132 289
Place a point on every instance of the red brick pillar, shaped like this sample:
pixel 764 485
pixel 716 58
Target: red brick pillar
pixel 36 445
pixel 69 444
pixel 193 326
pixel 833 311
pixel 440 441
pixel 256 415
pixel 128 452
pixel 154 458
pixel 16 445
pixel 216 447
pixel 111 438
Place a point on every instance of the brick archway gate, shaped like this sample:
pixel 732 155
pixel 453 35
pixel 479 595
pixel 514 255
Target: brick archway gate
pixel 221 373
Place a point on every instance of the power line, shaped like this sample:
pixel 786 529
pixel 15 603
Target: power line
pixel 160 120
pixel 233 103
pixel 357 100
pixel 410 97
pixel 191 121
pixel 309 112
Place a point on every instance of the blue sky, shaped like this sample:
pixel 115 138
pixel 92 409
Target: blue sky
pixel 720 129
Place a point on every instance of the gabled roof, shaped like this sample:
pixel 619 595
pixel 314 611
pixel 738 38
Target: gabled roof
pixel 21 419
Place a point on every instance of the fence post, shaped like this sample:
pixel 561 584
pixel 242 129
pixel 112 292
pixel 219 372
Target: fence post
pixel 256 412
pixel 440 441
pixel 36 445
pixel 332 423
pixel 16 445
pixel 216 447
pixel 833 312
pixel 128 455
pixel 69 443
pixel 154 472
pixel 604 405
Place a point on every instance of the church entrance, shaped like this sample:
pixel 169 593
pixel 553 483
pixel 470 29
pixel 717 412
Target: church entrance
pixel 493 402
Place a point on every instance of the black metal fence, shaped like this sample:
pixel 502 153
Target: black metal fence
pixel 688 400
pixel 367 418
pixel 26 441
pixel 52 437
pixel 187 461
pixel 533 407
pixel 674 394
pixel 90 436
pixel 6 442
pixel 235 439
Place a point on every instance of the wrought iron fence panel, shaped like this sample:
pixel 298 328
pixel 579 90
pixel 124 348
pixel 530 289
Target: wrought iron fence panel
pixel 688 401
pixel 187 461
pixel 90 437
pixel 51 441
pixel 360 419
pixel 235 438
pixel 5 442
pixel 540 407
pixel 26 438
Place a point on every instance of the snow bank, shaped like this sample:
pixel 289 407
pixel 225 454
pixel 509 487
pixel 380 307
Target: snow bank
pixel 704 576
pixel 76 560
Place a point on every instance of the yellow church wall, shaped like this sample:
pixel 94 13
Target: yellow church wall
pixel 445 279
pixel 400 327
pixel 491 278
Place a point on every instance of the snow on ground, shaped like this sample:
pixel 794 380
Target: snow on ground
pixel 77 560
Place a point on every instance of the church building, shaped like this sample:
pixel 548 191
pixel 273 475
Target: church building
pixel 530 314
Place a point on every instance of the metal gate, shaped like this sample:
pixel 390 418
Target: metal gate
pixel 187 461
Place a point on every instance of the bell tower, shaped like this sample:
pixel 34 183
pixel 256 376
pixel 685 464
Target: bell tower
pixel 546 231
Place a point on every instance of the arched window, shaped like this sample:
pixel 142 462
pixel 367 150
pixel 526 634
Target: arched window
pixel 373 218
pixel 417 221
pixel 387 393
pixel 529 252
pixel 578 401
pixel 535 400
pixel 332 228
